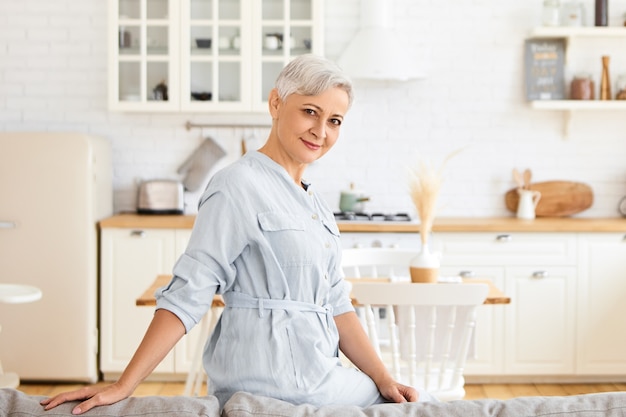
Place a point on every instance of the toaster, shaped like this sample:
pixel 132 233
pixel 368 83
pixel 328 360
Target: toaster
pixel 160 197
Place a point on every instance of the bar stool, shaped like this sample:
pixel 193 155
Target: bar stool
pixel 15 294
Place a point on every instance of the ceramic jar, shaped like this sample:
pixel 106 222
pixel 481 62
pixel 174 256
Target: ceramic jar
pixel 424 266
pixel 582 88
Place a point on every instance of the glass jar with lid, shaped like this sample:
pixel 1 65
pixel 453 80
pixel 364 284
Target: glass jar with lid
pixel 582 87
pixel 573 13
pixel 620 87
pixel 551 14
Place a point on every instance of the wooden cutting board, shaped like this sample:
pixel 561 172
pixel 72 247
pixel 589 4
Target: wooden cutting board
pixel 558 198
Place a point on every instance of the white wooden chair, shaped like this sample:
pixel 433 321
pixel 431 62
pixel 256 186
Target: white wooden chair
pixel 15 294
pixel 381 263
pixel 439 322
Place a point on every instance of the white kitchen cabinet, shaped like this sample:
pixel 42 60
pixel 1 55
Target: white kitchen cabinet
pixel 144 38
pixel 537 270
pixel 601 307
pixel 213 55
pixel 540 321
pixel 130 261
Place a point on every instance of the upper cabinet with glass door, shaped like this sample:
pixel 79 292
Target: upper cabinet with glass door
pixel 215 52
pixel 285 29
pixel 246 44
pixel 213 55
pixel 143 55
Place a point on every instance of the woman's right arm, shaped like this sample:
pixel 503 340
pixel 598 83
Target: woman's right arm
pixel 164 332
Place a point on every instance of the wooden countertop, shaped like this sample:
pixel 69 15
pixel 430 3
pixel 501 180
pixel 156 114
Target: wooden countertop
pixel 444 224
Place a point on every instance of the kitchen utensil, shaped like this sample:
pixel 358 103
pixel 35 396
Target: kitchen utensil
pixel 558 198
pixel 352 200
pixel 203 43
pixel 272 41
pixel 199 164
pixel 518 178
pixel 528 200
pixel 605 82
pixel 527 178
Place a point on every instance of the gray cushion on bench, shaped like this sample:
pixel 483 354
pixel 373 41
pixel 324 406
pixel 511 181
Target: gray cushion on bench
pixel 15 403
pixel 591 405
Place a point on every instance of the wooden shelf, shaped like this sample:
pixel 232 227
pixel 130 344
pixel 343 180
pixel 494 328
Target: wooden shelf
pixel 579 104
pixel 586 31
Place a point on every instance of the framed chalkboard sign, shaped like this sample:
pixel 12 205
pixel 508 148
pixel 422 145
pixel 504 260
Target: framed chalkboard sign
pixel 544 62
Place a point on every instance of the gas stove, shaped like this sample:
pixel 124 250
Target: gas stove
pixel 372 217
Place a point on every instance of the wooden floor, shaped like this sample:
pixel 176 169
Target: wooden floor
pixel 473 391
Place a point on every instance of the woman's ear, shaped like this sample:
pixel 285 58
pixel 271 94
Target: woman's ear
pixel 273 103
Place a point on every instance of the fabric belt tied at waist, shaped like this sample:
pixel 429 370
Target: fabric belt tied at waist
pixel 241 300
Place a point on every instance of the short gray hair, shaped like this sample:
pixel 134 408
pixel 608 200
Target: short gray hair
pixel 310 75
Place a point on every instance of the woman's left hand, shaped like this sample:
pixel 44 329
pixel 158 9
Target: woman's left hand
pixel 398 393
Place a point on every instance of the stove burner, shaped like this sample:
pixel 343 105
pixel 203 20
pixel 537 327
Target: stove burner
pixel 352 216
pixel 395 217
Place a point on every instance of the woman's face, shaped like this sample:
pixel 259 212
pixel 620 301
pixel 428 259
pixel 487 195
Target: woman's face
pixel 308 126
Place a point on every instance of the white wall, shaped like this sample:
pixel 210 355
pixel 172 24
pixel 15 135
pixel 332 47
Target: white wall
pixel 53 77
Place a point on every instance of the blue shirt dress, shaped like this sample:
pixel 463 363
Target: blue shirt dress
pixel 272 249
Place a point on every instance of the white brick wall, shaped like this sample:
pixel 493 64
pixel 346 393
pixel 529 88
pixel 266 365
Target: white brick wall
pixel 53 77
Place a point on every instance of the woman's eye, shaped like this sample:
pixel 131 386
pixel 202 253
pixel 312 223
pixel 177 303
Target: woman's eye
pixel 309 111
pixel 336 122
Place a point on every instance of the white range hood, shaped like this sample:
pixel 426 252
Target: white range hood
pixel 376 52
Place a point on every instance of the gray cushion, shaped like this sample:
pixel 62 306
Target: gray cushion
pixel 591 405
pixel 15 403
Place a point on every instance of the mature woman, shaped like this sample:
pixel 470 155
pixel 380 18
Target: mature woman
pixel 266 241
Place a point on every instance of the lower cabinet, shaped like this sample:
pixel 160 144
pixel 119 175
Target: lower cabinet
pixel 566 316
pixel 539 325
pixel 535 334
pixel 130 261
pixel 601 305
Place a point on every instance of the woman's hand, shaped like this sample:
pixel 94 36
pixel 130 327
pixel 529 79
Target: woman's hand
pixel 162 334
pixel 94 396
pixel 398 393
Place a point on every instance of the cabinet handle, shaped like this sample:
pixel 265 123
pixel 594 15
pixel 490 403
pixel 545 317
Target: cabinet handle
pixel 540 274
pixel 377 244
pixel 467 274
pixel 138 233
pixel 504 238
pixel 8 225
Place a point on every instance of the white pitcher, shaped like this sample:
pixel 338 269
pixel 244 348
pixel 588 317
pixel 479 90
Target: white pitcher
pixel 528 200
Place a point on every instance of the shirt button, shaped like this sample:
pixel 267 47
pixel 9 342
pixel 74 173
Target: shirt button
pixel 327 245
pixel 314 217
pixel 310 192
pixel 326 277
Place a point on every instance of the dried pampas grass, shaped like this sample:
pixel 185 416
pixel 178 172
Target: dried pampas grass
pixel 425 184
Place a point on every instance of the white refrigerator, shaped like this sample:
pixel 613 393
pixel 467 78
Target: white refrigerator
pixel 54 188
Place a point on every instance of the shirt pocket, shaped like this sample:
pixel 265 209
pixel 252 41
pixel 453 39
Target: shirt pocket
pixel 274 222
pixel 286 236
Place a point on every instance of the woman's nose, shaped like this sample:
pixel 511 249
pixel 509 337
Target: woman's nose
pixel 319 130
